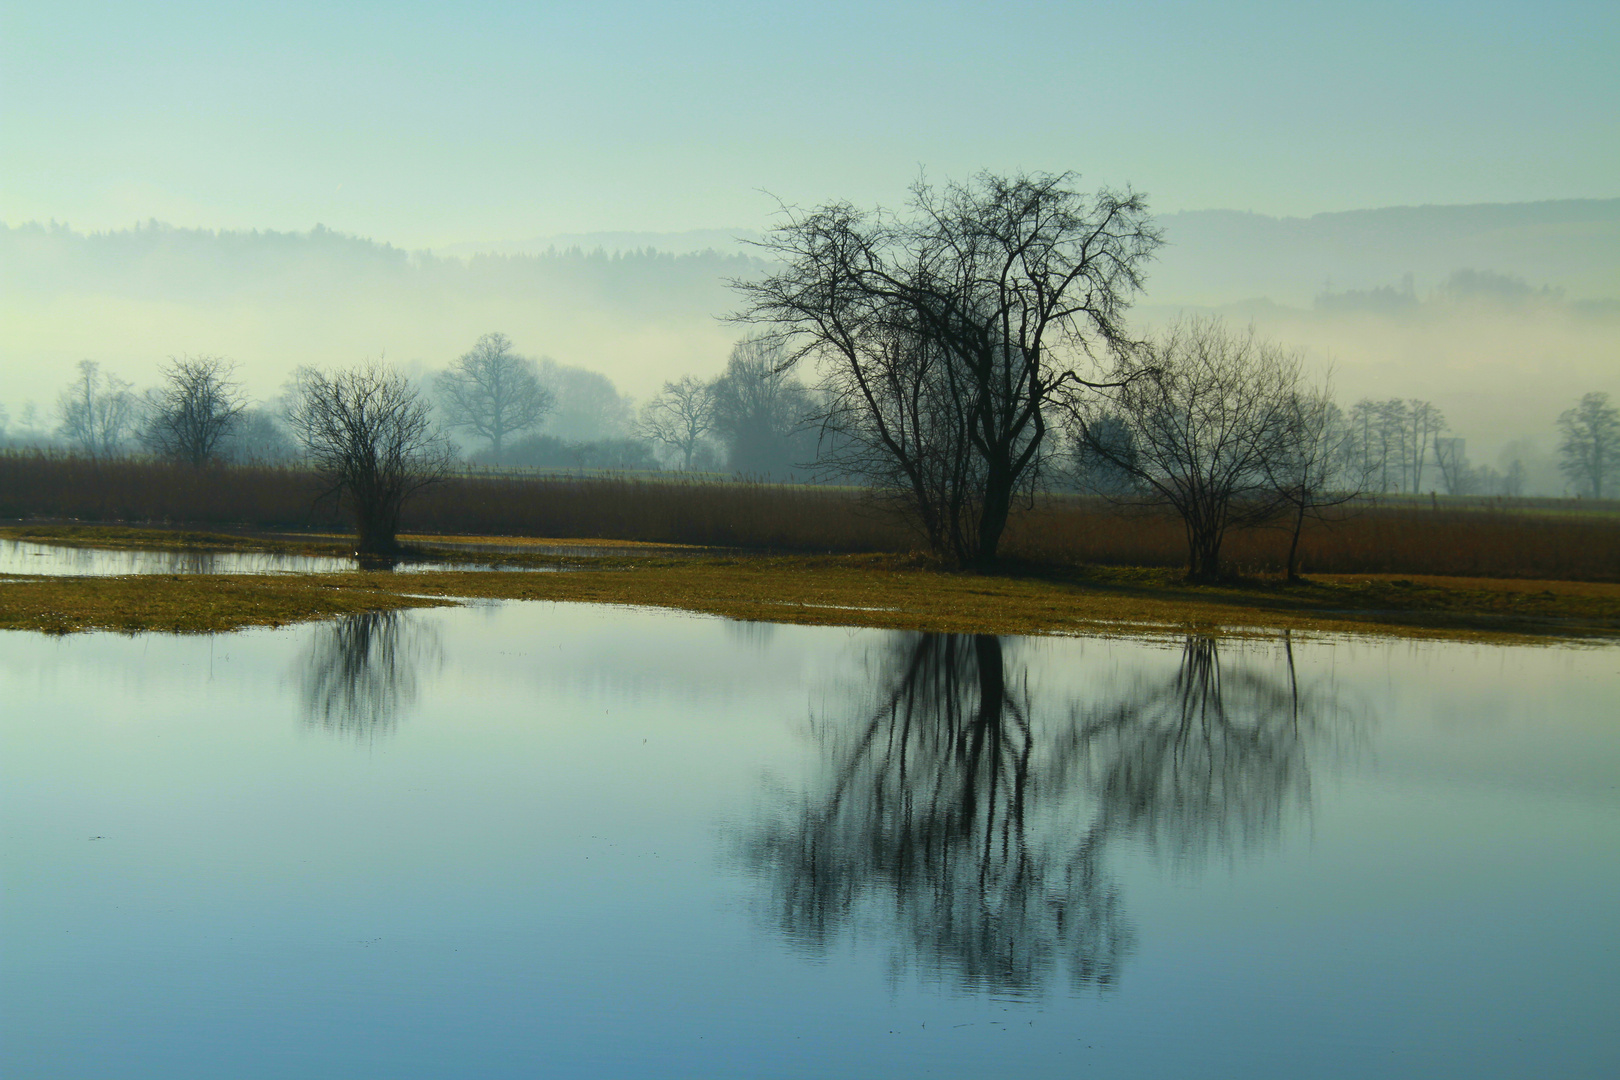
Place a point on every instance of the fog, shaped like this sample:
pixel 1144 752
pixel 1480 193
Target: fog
pixel 1501 315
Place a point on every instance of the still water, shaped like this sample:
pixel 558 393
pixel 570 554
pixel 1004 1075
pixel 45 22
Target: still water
pixel 53 560
pixel 530 839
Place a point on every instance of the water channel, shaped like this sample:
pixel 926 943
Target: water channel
pixel 532 839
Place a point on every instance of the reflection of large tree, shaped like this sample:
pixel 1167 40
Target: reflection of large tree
pixel 361 670
pixel 976 828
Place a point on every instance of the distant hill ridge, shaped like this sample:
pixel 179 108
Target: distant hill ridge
pixel 1221 256
pixel 1211 257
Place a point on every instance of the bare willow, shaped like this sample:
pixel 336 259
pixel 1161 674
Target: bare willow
pixel 1210 422
pixel 371 436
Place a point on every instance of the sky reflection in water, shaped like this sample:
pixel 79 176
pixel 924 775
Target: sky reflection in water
pixel 534 839
pixel 55 560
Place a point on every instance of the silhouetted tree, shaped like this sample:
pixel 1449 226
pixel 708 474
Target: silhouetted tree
pixel 371 437
pixel 1316 467
pixel 194 411
pixel 1212 417
pixel 493 392
pixel 1589 450
pixel 946 335
pixel 97 411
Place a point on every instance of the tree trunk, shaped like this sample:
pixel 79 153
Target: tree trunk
pixel 1204 555
pixel 1293 544
pixel 993 516
pixel 376 526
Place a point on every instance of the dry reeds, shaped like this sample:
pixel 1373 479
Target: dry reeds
pixel 1514 538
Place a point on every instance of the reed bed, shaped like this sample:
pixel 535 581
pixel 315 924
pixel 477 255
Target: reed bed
pixel 1551 539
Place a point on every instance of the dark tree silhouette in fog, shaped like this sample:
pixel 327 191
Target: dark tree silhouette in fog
pixel 945 336
pixel 371 437
pixel 761 412
pixel 196 409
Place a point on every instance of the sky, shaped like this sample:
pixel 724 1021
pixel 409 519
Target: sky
pixel 434 124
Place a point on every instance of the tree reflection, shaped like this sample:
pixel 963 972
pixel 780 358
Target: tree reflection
pixel 362 670
pixel 1211 761
pixel 974 827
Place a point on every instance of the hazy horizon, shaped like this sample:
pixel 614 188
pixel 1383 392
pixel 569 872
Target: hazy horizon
pixel 1500 314
pixel 1363 156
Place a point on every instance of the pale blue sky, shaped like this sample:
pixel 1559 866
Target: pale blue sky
pixel 427 124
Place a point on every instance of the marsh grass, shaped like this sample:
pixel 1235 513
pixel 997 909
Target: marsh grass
pixel 894 592
pixel 1533 539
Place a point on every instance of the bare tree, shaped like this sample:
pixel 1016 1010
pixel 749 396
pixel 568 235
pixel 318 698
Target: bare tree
pixel 371 437
pixel 1589 453
pixel 493 392
pixel 680 416
pixel 196 408
pixel 1211 414
pixel 1451 459
pixel 1427 422
pixel 1317 466
pixel 97 411
pixel 945 336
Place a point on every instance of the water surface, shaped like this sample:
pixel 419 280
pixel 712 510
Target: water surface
pixel 539 839
pixel 55 560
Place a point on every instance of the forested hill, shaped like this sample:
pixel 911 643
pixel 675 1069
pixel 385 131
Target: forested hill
pixel 159 261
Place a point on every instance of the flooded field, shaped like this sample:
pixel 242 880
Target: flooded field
pixel 529 839
pixel 56 560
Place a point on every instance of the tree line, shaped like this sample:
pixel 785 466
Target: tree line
pixel 964 354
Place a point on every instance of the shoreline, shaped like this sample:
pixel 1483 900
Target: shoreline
pixel 883 591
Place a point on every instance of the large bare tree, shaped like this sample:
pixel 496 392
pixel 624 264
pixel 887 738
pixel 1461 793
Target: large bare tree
pixel 493 392
pixel 945 335
pixel 196 408
pixel 371 437
pixel 1212 420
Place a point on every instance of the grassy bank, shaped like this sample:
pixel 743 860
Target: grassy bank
pixel 897 592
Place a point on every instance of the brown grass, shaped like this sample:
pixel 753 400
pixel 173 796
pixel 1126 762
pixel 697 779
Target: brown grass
pixel 851 590
pixel 1541 539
